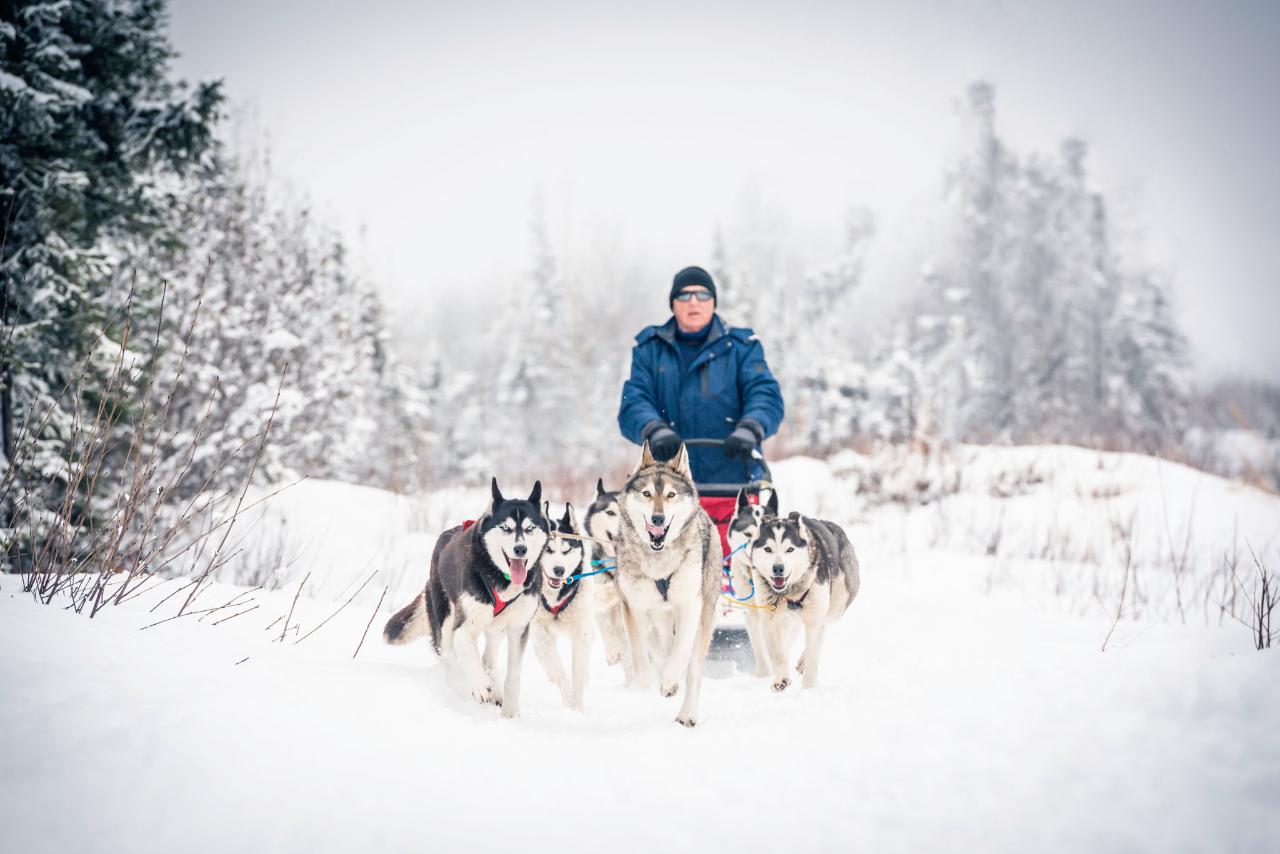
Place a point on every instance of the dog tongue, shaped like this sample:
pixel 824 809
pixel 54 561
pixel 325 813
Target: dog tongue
pixel 654 530
pixel 518 570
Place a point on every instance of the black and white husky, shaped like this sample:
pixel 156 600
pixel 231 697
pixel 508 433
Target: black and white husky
pixel 565 608
pixel 806 574
pixel 744 527
pixel 669 559
pixel 602 521
pixel 483 581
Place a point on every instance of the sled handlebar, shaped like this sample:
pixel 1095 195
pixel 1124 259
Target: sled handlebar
pixel 732 488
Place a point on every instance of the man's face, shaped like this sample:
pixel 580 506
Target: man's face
pixel 691 316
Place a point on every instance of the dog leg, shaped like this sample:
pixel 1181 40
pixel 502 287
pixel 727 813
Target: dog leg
pixel 581 655
pixel 776 642
pixel 677 662
pixel 468 655
pixel 814 631
pixel 545 647
pixel 490 659
pixel 516 641
pixel 693 680
pixel 615 640
pixel 637 632
pixel 755 634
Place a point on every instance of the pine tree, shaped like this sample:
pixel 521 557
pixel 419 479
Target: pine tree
pixel 88 118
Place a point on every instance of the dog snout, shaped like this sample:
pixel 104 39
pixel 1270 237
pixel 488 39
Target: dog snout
pixel 658 518
pixel 520 550
pixel 779 569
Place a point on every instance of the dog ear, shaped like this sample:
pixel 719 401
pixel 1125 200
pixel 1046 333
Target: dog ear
pixel 743 503
pixel 681 462
pixel 496 495
pixel 569 522
pixel 803 529
pixel 599 487
pixel 771 506
pixel 535 497
pixel 646 458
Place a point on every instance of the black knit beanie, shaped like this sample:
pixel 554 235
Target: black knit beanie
pixel 691 276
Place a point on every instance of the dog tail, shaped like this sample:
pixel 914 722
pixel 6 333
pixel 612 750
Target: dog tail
pixel 409 623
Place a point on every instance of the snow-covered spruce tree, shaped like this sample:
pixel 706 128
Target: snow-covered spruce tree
pixel 261 292
pixel 88 118
pixel 824 384
pixel 537 389
pixel 1051 335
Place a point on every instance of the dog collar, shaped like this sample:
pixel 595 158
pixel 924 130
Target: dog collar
pixel 797 604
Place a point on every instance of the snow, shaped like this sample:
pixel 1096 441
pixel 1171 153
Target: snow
pixel 952 714
pixel 11 82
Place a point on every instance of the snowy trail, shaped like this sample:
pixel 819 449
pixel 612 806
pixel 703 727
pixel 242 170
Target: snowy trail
pixel 945 719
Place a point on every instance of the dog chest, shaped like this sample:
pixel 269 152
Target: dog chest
pixel 517 612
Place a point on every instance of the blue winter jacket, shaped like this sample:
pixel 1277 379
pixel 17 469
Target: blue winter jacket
pixel 726 381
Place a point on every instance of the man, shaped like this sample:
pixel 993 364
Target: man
pixel 694 377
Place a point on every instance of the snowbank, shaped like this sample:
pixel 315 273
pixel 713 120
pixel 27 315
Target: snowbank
pixel 959 707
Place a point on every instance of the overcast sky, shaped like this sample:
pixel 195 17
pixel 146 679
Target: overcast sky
pixel 427 126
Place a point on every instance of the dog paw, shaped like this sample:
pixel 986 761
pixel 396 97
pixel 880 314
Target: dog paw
pixel 613 659
pixel 509 711
pixel 781 684
pixel 687 721
pixel 670 689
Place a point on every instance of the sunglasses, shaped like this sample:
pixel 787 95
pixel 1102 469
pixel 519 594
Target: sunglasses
pixel 700 296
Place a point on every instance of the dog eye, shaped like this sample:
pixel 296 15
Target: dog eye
pixel 506 529
pixel 769 549
pixel 610 513
pixel 790 549
pixel 648 494
pixel 528 529
pixel 671 495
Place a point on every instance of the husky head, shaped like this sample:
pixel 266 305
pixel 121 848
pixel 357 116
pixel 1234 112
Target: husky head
pixel 745 524
pixel 514 532
pixel 562 557
pixel 603 520
pixel 780 551
pixel 659 498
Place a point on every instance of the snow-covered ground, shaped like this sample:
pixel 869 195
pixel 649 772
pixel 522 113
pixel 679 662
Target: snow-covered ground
pixel 964 701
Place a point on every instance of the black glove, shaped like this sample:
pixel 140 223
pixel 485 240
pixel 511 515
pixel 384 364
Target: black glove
pixel 743 440
pixel 663 441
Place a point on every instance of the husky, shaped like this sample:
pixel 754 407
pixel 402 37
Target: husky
pixel 564 608
pixel 483 581
pixel 669 559
pixel 806 574
pixel 602 521
pixel 744 527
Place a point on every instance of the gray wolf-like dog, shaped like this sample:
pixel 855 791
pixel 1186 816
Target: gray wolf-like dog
pixel 483 581
pixel 668 574
pixel 806 574
pixel 565 608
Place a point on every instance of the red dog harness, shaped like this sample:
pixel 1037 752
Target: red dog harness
pixel 499 604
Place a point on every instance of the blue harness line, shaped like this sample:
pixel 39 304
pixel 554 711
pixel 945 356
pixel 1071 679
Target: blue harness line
pixel 729 578
pixel 607 565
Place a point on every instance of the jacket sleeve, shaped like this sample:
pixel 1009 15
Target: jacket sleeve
pixel 639 404
pixel 761 394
